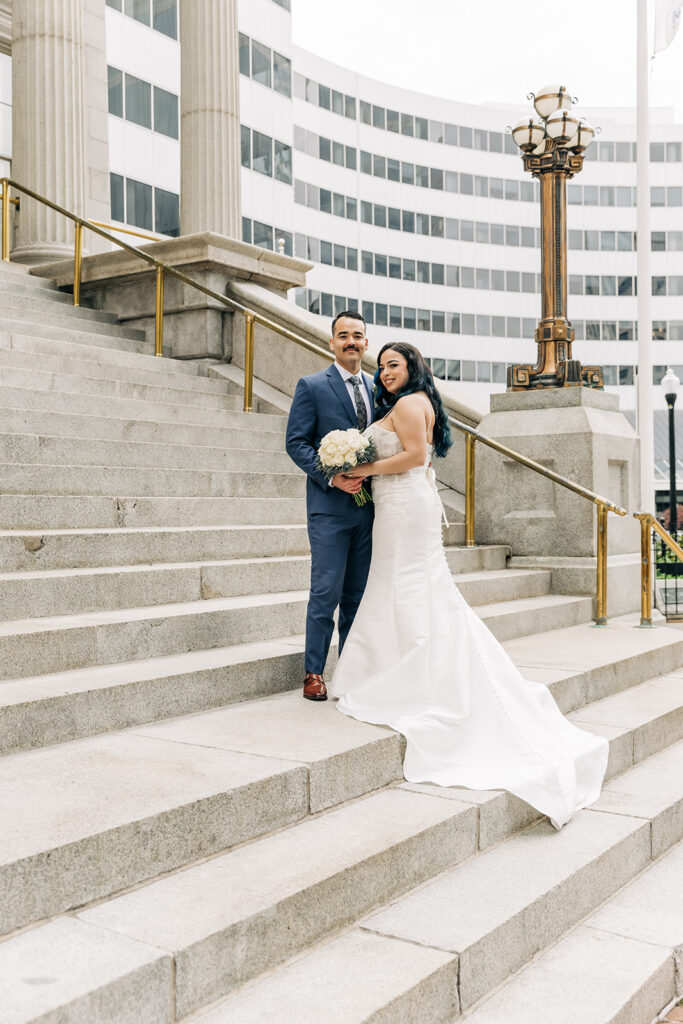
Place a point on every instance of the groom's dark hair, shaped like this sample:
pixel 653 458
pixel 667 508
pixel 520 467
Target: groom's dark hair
pixel 353 314
pixel 419 379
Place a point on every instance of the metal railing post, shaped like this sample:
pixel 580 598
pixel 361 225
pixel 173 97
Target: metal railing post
pixel 5 220
pixel 78 261
pixel 248 361
pixel 469 490
pixel 159 313
pixel 645 573
pixel 601 590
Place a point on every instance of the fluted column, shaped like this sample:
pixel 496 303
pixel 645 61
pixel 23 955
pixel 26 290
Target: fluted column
pixel 210 193
pixel 48 135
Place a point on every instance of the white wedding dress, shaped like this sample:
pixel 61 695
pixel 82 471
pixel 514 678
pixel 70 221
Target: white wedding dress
pixel 420 660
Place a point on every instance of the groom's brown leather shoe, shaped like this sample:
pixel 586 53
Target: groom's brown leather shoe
pixel 314 687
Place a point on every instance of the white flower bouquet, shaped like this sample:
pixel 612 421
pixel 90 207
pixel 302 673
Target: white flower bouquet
pixel 342 450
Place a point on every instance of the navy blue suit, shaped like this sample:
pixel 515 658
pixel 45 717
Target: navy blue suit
pixel 339 531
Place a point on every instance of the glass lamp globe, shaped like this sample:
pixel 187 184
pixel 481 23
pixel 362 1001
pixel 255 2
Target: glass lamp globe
pixel 583 137
pixel 670 386
pixel 562 126
pixel 528 134
pixel 551 97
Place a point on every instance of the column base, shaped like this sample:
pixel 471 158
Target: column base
pixel 41 252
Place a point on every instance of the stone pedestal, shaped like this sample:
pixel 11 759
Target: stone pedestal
pixel 48 134
pixel 210 164
pixel 580 434
pixel 196 326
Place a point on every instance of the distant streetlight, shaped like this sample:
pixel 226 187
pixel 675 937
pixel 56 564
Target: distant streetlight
pixel 553 140
pixel 670 386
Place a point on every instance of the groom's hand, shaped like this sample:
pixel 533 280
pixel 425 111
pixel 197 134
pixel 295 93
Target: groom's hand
pixel 345 483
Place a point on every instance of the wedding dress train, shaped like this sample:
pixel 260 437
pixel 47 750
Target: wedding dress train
pixel 420 660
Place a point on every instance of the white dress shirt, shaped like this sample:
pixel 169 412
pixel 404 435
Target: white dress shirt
pixel 346 375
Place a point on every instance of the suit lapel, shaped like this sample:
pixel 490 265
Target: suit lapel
pixel 341 391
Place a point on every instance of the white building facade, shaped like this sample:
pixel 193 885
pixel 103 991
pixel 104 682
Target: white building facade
pixel 414 209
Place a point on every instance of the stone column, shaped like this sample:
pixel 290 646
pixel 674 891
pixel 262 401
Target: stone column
pixel 48 136
pixel 210 163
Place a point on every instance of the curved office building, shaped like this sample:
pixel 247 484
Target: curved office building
pixel 414 209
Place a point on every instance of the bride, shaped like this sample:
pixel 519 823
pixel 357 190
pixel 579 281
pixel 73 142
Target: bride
pixel 419 659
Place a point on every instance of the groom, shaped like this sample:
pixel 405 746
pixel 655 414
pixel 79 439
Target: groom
pixel 339 531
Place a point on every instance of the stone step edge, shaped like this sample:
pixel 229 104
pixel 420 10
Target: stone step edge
pixel 78 350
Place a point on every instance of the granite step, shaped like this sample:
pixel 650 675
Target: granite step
pixel 124 339
pixel 74 591
pixel 26 551
pixel 35 646
pixel 49 592
pixel 46 291
pixel 492 927
pixel 55 512
pixel 17 304
pixel 276 902
pixel 621 965
pixel 162 390
pixel 63 324
pixel 41 449
pixel 148 481
pixel 17 273
pixel 248 431
pixel 115 356
pixel 161 372
pixel 46 400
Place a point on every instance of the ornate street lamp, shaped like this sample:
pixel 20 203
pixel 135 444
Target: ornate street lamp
pixel 670 386
pixel 553 143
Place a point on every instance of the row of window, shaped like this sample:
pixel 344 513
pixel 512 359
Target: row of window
pixel 626 330
pixel 144 206
pixel 161 15
pixel 264 65
pixel 671 285
pixel 265 235
pixel 346 258
pixel 458 135
pixel 415 223
pixel 413 174
pixel 468 370
pixel 605 284
pixel 142 103
pixel 265 155
pixel 622 195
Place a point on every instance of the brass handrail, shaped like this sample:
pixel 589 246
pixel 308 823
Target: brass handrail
pixel 161 268
pixel 127 231
pixel 603 506
pixel 648 522
pixel 252 317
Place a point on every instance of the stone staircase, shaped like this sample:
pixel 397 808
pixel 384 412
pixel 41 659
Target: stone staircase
pixel 182 836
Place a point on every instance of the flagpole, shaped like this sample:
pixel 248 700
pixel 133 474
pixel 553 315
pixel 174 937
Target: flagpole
pixel 645 389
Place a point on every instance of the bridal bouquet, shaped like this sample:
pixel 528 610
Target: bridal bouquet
pixel 342 450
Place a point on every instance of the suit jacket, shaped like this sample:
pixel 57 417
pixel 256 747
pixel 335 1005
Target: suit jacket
pixel 322 403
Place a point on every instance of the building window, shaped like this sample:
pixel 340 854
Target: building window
pixel 282 74
pixel 166 212
pixel 139 208
pixel 165 113
pixel 245 137
pixel 139 10
pixel 114 4
pixel 245 62
pixel 117 201
pixel 283 163
pixel 262 153
pixel 166 17
pixel 260 63
pixel 115 91
pixel 138 101
pixel 263 235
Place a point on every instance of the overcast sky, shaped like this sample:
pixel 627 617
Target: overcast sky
pixel 492 51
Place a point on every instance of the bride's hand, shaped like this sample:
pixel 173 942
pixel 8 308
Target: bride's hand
pixel 360 472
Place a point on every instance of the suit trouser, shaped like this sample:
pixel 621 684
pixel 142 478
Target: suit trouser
pixel 341 549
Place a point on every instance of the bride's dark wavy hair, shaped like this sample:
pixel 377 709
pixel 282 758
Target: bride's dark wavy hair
pixel 419 379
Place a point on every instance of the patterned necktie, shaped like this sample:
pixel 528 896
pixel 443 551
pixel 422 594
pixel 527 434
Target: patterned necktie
pixel 361 410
